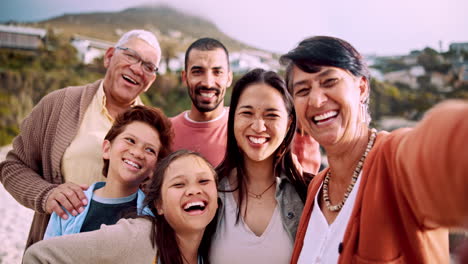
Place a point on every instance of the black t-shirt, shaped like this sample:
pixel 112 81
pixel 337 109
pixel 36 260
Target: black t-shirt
pixel 103 213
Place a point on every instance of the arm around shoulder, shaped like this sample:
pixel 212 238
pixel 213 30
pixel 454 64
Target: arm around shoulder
pixel 22 171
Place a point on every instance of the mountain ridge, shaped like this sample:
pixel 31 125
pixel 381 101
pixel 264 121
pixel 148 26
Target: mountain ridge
pixel 166 22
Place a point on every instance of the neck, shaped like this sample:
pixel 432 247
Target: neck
pixel 114 107
pixel 198 116
pixel 342 158
pixel 188 246
pixel 114 189
pixel 259 172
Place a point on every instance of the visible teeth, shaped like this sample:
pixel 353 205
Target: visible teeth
pixel 128 78
pixel 257 140
pixel 209 95
pixel 131 163
pixel 325 115
pixel 187 206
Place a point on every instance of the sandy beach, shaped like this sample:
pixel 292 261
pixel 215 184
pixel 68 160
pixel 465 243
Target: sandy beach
pixel 15 221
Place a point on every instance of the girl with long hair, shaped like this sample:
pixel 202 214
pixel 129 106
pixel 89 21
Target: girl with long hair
pixel 182 196
pixel 261 190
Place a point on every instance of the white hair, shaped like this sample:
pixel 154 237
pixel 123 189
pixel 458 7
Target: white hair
pixel 145 35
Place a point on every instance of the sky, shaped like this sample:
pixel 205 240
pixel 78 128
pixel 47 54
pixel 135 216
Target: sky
pixel 379 27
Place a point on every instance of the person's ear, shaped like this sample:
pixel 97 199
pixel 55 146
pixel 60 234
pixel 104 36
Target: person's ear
pixel 229 79
pixel 106 146
pixel 107 56
pixel 184 76
pixel 159 208
pixel 364 88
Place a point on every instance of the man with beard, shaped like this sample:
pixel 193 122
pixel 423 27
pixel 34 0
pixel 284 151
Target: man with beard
pixel 207 75
pixel 203 128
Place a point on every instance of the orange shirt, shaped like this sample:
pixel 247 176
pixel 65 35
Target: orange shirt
pixel 414 182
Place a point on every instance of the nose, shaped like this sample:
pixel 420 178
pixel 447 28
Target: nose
pixel 258 125
pixel 137 152
pixel 317 98
pixel 208 80
pixel 193 189
pixel 137 68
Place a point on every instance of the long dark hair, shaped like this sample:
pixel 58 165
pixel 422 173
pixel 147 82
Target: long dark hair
pixel 283 161
pixel 162 234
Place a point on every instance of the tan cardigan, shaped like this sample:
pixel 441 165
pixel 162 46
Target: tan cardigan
pixel 413 181
pixel 128 241
pixel 32 168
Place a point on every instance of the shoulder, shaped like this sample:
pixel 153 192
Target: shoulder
pixel 131 226
pixel 177 117
pixel 178 121
pixel 70 93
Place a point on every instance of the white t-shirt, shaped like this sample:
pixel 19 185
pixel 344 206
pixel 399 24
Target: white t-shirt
pixel 238 244
pixel 321 241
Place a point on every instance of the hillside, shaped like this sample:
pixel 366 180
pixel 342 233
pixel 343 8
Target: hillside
pixel 165 21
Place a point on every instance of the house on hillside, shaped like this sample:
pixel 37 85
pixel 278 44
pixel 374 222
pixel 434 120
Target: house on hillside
pixel 458 47
pixel 89 48
pixel 408 77
pixel 462 73
pixel 246 60
pixel 26 38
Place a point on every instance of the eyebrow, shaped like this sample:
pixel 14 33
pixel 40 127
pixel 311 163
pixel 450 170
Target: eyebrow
pixel 177 177
pixel 147 144
pixel 320 75
pixel 271 109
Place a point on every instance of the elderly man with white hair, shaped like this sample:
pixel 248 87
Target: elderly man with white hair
pixel 58 151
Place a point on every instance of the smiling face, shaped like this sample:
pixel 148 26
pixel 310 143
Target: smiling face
pixel 207 77
pixel 132 154
pixel 328 103
pixel 189 195
pixel 261 121
pixel 124 81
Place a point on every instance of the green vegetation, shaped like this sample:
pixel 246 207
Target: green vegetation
pixel 25 77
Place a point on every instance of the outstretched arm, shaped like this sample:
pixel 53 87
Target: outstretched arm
pixel 128 241
pixel 433 162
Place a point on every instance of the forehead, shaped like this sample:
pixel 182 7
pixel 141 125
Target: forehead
pixel 143 48
pixel 207 58
pixel 298 75
pixel 142 131
pixel 189 166
pixel 263 96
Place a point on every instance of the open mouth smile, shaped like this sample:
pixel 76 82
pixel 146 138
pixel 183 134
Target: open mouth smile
pixel 257 140
pixel 132 163
pixel 322 118
pixel 129 79
pixel 195 208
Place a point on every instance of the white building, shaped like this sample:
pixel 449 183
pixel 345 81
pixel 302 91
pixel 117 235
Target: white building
pixel 89 48
pixel 21 37
pixel 247 60
pixel 408 77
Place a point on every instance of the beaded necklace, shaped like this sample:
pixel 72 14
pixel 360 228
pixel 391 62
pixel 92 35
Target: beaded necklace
pixel 356 173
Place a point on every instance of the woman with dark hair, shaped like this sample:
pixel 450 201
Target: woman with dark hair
pixel 385 196
pixel 261 190
pixel 182 196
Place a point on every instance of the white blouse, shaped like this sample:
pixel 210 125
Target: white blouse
pixel 321 241
pixel 236 243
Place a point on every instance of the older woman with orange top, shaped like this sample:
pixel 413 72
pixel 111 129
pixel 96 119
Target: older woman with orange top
pixel 386 197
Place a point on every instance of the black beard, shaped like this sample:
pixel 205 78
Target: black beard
pixel 202 108
pixel 205 108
